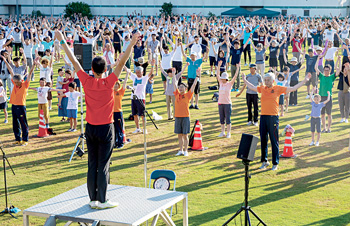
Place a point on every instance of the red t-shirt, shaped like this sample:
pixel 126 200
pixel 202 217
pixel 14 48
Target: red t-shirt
pixel 98 97
pixel 66 86
pixel 295 42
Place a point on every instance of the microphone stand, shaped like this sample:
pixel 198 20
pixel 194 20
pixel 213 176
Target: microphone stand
pixel 4 160
pixel 144 133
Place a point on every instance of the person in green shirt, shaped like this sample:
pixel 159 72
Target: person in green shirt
pixel 326 85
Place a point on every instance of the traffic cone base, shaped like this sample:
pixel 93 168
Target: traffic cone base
pixel 288 147
pixel 42 126
pixel 197 139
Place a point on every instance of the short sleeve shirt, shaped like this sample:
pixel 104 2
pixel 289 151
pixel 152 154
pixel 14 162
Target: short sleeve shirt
pixel 181 103
pixel 73 98
pixel 192 68
pixel 42 94
pixel 270 99
pixel 326 84
pixel 254 80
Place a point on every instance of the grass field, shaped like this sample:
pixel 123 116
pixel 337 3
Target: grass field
pixel 312 189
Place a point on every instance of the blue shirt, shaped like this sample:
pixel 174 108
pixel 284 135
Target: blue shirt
pixel 316 109
pixel 236 55
pixel 192 68
pixel 47 45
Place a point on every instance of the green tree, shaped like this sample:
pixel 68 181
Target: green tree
pixel 79 8
pixel 37 13
pixel 167 9
pixel 211 15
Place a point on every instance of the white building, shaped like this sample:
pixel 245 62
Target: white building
pixel 152 7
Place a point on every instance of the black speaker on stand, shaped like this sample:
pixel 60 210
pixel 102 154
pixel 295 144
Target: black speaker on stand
pixel 83 53
pixel 246 152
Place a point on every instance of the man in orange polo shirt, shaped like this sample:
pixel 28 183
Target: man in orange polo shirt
pixel 18 101
pixel 269 119
pixel 99 132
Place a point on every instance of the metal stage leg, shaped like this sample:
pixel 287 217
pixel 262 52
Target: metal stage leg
pixel 25 219
pixel 96 223
pixel 51 221
pixel 155 219
pixel 68 223
pixel 75 148
pixel 185 211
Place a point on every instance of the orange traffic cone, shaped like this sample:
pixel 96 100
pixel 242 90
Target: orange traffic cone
pixel 42 126
pixel 197 138
pixel 288 147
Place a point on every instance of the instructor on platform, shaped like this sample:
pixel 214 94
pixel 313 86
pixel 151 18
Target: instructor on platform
pixel 99 116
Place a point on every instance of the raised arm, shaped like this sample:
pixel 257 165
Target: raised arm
pixel 126 78
pixel 236 74
pixel 300 84
pixel 8 66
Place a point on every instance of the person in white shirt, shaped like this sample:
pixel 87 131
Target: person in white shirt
pixel 72 106
pixel 167 58
pixel 42 99
pixel 330 54
pixel 45 68
pixel 139 94
pixel 329 33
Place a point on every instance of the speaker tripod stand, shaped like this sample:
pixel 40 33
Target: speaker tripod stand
pixel 246 208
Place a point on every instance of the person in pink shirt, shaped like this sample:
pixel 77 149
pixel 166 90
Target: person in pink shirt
pixel 225 104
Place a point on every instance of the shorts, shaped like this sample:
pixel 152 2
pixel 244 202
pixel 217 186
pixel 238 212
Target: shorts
pixel 312 80
pixel 190 82
pixel 77 81
pixel 137 108
pixel 45 109
pixel 328 108
pixel 3 105
pixel 204 49
pixel 49 95
pixel 225 111
pixel 315 124
pixel 182 125
pixel 281 101
pixel 212 61
pixel 273 62
pixel 163 77
pixel 154 56
pixel 72 113
pixel 117 47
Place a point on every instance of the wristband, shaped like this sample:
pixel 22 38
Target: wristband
pixel 62 42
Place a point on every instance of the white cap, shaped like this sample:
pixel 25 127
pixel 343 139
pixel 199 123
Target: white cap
pixel 294 59
pixel 319 48
pixel 224 76
pixel 214 40
pixel 193 53
pixel 69 35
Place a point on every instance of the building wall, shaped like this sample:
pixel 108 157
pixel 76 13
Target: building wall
pixel 152 7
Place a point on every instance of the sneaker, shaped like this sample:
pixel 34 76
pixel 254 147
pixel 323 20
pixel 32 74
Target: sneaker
pixel 232 90
pixel 307 117
pixel 237 90
pixel 17 143
pixel 249 123
pixel 47 126
pixel 137 130
pixel 94 204
pixel 69 130
pixel 324 131
pixel 328 131
pixel 50 108
pixel 308 96
pixel 150 102
pixel 228 135
pixel 144 131
pixel 121 146
pixel 264 165
pixel 342 120
pixel 106 205
pixel 245 64
pixel 346 121
pixel 179 153
pixel 73 130
pixel 317 144
pixel 6 121
pixel 185 153
pixel 24 143
pixel 191 106
pixel 221 134
pixel 196 107
pixel 274 167
pixel 256 124
pixel 312 143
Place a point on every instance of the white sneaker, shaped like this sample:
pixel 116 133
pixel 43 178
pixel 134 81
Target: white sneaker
pixel 185 153
pixel 256 124
pixel 249 123
pixel 228 135
pixel 264 165
pixel 317 144
pixel 94 204
pixel 179 153
pixel 274 167
pixel 312 143
pixel 342 120
pixel 307 96
pixel 346 121
pixel 137 130
pixel 221 134
pixel 107 204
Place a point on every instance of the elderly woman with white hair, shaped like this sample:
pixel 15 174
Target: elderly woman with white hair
pixel 225 104
pixel 269 119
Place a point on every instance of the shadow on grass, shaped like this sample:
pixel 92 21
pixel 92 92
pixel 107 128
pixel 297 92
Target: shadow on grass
pixel 341 220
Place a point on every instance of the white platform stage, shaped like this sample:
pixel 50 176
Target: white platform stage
pixel 136 205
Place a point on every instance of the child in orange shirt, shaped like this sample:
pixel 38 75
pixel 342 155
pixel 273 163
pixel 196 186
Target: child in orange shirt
pixel 118 112
pixel 182 113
